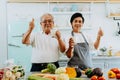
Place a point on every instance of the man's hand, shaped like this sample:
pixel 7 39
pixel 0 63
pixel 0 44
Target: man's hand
pixel 58 34
pixel 26 36
pixel 60 41
pixel 31 25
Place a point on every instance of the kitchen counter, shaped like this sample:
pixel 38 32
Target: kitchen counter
pixel 104 62
pixel 64 58
pixel 83 77
pixel 106 57
pixel 95 57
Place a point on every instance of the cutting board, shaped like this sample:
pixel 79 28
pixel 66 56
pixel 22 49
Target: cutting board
pixel 39 77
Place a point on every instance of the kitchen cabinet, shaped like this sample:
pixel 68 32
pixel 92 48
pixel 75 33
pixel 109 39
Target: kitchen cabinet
pixel 57 1
pixel 113 8
pixel 103 62
pixel 65 10
pixel 16 50
pixel 37 1
pixel 106 62
pixel 114 1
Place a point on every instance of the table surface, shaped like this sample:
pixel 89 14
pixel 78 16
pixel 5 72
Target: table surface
pixel 83 77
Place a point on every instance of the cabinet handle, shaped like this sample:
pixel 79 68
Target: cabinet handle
pixel 13 45
pixel 18 35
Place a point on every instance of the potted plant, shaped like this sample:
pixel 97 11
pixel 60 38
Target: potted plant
pixel 103 50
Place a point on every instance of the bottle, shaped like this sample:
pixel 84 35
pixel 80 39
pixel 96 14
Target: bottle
pixel 110 51
pixel 53 32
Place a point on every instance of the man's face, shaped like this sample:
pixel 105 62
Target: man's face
pixel 47 23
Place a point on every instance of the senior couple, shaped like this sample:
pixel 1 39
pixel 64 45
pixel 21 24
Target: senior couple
pixel 46 46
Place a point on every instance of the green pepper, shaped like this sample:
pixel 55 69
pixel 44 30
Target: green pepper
pixel 88 72
pixel 89 75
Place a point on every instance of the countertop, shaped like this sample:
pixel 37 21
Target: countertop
pixel 105 57
pixel 95 57
pixel 83 77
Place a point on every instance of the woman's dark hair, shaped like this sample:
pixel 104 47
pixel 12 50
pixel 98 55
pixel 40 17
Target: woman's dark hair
pixel 75 15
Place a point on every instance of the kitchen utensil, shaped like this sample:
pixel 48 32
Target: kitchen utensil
pixel 118 27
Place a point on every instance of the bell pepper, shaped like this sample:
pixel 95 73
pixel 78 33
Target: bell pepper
pixel 111 74
pixel 88 73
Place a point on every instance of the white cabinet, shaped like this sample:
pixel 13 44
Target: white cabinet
pixel 113 9
pixel 106 62
pixel 103 62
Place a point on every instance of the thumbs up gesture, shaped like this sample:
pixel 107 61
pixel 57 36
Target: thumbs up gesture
pixel 31 25
pixel 100 32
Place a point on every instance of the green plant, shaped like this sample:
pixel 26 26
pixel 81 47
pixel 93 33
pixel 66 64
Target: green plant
pixel 103 49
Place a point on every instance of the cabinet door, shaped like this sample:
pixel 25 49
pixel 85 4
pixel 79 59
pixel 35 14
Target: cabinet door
pixel 114 1
pixel 18 21
pixel 99 62
pixel 58 0
pixel 114 65
pixel 16 50
pixel 99 65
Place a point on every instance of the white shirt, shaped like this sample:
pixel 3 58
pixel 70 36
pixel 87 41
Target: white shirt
pixel 45 48
pixel 78 38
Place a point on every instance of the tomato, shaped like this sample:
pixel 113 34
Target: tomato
pixel 94 77
pixel 101 78
pixel 118 76
pixel 115 70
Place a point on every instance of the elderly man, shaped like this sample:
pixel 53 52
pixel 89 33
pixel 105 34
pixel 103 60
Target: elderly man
pixel 46 46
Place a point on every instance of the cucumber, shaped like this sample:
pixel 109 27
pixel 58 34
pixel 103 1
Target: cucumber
pixel 78 79
pixel 37 78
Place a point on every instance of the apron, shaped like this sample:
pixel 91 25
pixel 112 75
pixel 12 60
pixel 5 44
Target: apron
pixel 81 57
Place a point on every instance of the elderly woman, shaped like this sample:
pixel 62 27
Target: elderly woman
pixel 78 44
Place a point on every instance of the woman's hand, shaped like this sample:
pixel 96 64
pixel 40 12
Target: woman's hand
pixel 71 42
pixel 31 25
pixel 100 32
pixel 97 42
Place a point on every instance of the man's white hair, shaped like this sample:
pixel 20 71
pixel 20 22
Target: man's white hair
pixel 46 14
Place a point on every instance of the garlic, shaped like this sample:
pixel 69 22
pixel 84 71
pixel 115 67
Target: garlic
pixel 63 76
pixel 13 77
pixel 18 74
pixel 8 73
pixel 60 70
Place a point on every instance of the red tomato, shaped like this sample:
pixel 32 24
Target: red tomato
pixel 101 78
pixel 118 76
pixel 115 70
pixel 94 77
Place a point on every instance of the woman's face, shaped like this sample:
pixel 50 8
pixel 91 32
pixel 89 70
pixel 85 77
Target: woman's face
pixel 77 24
